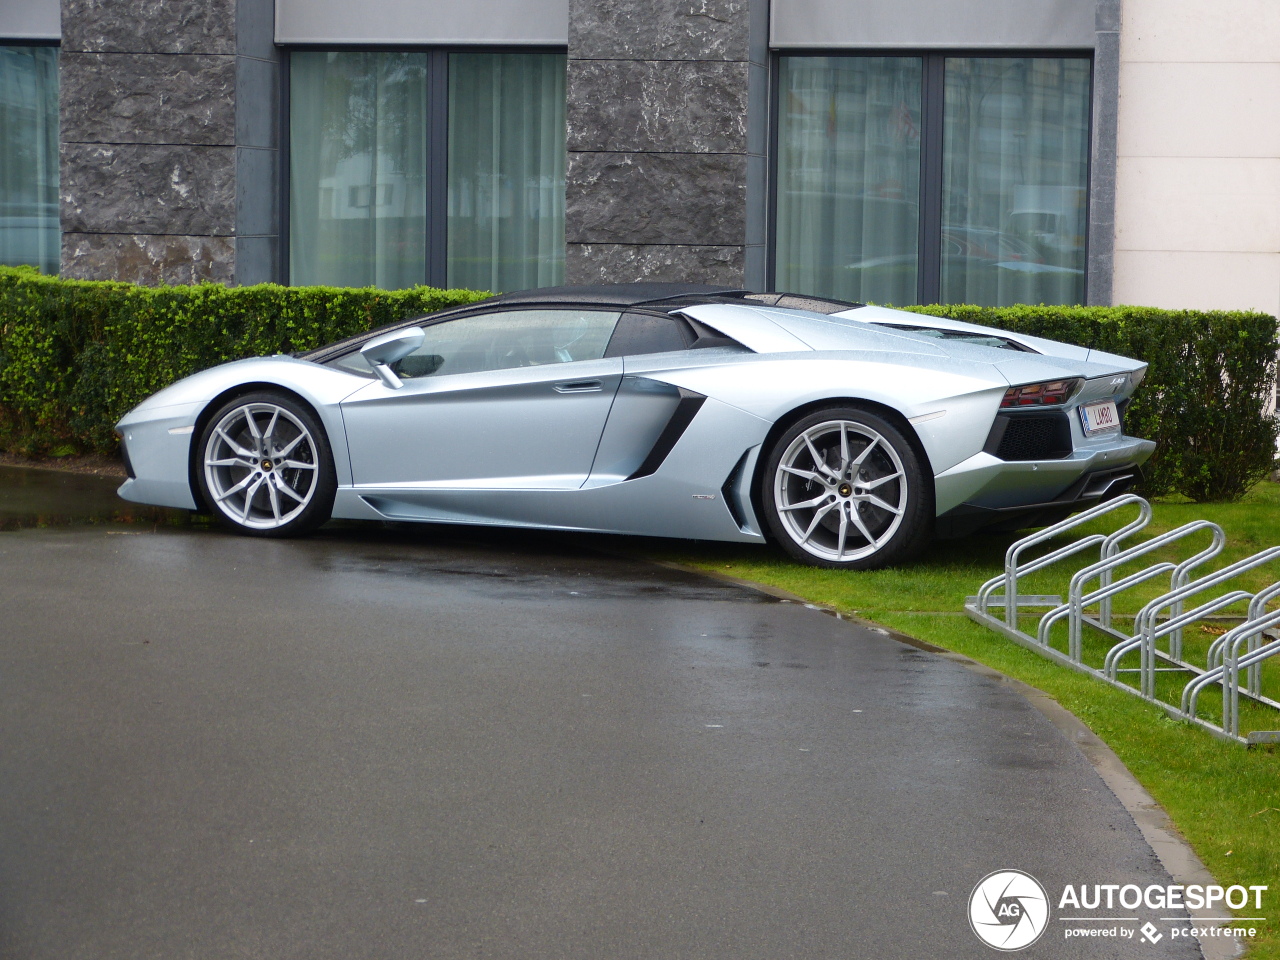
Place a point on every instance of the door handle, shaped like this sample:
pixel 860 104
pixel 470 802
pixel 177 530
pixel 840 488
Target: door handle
pixel 579 386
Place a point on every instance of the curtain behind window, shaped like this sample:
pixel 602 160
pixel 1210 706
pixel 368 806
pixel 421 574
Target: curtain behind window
pixel 358 169
pixel 849 177
pixel 30 232
pixel 506 170
pixel 1015 180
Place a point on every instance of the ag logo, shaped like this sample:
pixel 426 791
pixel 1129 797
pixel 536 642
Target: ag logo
pixel 1008 910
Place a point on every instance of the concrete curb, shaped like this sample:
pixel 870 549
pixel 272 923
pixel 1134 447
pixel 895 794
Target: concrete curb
pixel 1157 829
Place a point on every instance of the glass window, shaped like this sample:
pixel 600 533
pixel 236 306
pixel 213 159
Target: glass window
pixel 506 170
pixel 30 232
pixel 641 333
pixel 398 180
pixel 1014 189
pixel 500 341
pixel 849 177
pixel 358 169
pixel 981 198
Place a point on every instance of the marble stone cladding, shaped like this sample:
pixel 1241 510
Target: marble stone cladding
pixel 661 171
pixel 693 30
pixel 170 142
pixel 148 188
pixel 661 198
pixel 604 263
pixel 148 259
pixel 144 98
pixel 149 26
pixel 660 105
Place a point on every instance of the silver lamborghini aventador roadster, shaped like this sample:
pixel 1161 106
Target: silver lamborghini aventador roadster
pixel 848 434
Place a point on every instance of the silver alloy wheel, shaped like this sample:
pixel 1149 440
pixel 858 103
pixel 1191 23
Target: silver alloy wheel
pixel 840 491
pixel 260 466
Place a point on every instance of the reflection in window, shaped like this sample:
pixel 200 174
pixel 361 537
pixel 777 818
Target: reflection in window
pixel 30 231
pixel 512 338
pixel 849 177
pixel 368 153
pixel 1015 169
pixel 506 170
pixel 358 158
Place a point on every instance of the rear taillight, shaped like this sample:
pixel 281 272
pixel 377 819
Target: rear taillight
pixel 1048 394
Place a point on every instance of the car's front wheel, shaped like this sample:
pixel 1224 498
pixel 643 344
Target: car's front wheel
pixel 265 467
pixel 843 488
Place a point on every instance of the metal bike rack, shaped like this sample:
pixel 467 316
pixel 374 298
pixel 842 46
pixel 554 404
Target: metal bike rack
pixel 1014 568
pixel 1239 652
pixel 1227 674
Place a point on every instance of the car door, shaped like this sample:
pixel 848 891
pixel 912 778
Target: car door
pixel 512 399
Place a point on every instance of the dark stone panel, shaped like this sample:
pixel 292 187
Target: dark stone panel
pixel 758 18
pixel 755 267
pixel 626 263
pixel 756 211
pixel 682 198
pixel 257 191
pixel 256 29
pixel 1102 168
pixel 257 103
pixel 147 98
pixel 148 189
pixel 149 26
pixel 257 260
pixel 148 259
pixel 659 30
pixel 622 105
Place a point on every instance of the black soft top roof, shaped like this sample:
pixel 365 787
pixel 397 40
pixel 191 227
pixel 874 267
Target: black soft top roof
pixel 666 296
pixel 615 294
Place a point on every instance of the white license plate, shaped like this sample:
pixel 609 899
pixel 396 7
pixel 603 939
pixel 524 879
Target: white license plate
pixel 1100 417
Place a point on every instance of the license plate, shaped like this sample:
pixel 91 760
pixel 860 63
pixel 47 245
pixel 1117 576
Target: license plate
pixel 1100 417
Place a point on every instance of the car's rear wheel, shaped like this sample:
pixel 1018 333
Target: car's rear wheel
pixel 265 466
pixel 843 488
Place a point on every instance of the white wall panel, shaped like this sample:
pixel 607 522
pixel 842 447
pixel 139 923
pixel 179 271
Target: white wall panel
pixel 505 22
pixel 1207 31
pixel 933 23
pixel 1198 167
pixel 30 20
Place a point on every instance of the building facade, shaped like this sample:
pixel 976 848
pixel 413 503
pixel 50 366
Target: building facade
pixel 981 151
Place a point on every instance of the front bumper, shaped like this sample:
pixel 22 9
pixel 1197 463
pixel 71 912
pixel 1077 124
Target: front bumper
pixel 158 451
pixel 986 492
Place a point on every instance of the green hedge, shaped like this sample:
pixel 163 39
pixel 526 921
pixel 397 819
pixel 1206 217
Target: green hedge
pixel 1208 384
pixel 75 355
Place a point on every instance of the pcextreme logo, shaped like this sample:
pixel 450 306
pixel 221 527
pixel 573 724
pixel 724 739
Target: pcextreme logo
pixel 1008 910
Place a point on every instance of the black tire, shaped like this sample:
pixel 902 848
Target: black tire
pixel 822 509
pixel 280 483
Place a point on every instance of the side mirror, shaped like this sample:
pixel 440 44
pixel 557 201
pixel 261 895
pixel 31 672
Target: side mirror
pixel 385 350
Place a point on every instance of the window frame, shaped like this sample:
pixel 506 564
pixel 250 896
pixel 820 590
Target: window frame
pixel 436 237
pixel 932 119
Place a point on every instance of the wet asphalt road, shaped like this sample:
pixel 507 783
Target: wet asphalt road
pixel 378 744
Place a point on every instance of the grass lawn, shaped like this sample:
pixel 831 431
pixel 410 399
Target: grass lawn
pixel 1225 799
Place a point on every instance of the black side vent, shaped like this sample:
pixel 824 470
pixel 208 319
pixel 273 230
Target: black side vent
pixel 1030 436
pixel 686 409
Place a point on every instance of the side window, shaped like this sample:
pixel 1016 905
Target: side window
pixel 640 333
pixel 501 341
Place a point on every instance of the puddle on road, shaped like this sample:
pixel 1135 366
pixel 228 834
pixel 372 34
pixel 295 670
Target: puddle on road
pixel 517 563
pixel 31 497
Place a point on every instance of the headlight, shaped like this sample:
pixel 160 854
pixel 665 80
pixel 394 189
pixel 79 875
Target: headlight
pixel 1049 393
